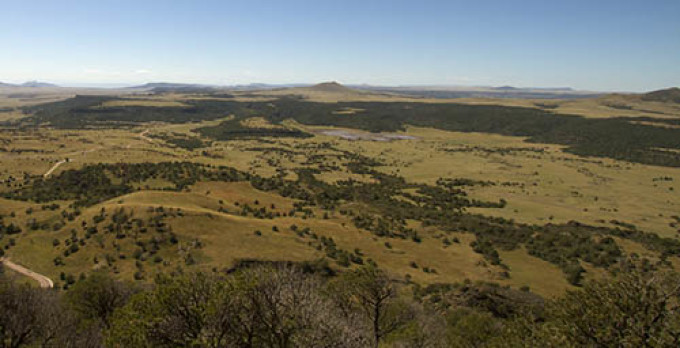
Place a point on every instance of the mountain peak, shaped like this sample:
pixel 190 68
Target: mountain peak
pixel 506 88
pixel 331 86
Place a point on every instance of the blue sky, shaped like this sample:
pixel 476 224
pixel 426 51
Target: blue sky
pixel 596 44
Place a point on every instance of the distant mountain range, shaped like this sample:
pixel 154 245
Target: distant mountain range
pixel 423 91
pixel 152 85
pixel 446 92
pixel 33 84
pixel 165 87
pixel 261 86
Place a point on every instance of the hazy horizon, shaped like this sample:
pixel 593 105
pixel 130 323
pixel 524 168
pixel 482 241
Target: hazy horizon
pixel 603 46
pixel 115 85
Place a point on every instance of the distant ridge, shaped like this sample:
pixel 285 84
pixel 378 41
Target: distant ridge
pixel 264 86
pixel 152 85
pixel 664 95
pixel 505 88
pixel 168 87
pixel 32 84
pixel 331 87
pixel 37 84
pixel 448 92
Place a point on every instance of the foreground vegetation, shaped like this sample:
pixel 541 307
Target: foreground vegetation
pixel 305 305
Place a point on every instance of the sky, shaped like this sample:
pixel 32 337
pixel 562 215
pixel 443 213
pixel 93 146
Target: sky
pixel 598 45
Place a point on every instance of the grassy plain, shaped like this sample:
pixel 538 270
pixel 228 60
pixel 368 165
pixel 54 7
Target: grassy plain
pixel 541 184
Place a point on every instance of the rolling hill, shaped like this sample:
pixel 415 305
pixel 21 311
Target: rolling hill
pixel 331 87
pixel 671 95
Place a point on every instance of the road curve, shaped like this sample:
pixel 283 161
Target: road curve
pixel 45 282
pixel 143 136
pixel 54 167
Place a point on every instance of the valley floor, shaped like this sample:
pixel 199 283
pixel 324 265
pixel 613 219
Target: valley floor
pixel 539 184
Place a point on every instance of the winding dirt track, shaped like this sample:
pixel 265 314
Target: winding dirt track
pixel 45 282
pixel 54 167
pixel 143 136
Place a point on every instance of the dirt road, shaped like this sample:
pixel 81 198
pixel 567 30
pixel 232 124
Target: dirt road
pixel 143 136
pixel 44 281
pixel 54 167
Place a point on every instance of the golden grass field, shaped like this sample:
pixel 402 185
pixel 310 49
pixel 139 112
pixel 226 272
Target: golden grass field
pixel 547 186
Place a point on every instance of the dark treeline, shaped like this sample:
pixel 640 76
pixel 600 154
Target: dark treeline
pixel 233 129
pixel 617 138
pixel 303 306
pixel 92 184
pixel 182 141
pixel 87 112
